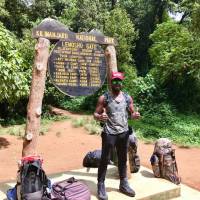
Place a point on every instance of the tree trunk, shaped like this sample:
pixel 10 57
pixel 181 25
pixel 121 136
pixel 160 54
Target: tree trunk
pixel 113 3
pixel 34 108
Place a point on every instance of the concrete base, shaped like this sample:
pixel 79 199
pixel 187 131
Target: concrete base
pixel 145 185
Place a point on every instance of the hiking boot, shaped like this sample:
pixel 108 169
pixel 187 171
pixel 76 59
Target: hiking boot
pixel 125 188
pixel 101 191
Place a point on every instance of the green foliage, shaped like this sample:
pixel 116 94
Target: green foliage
pixel 176 58
pixel 3 11
pixel 26 48
pixel 17 18
pixel 63 10
pixel 130 75
pixel 185 7
pixel 145 14
pixel 174 52
pixel 119 26
pixel 41 9
pixel 145 88
pixel 78 122
pixel 146 93
pixel 160 115
pixel 195 18
pixel 73 104
pixel 21 15
pixel 13 79
pixel 181 129
pixel 91 14
pixel 68 11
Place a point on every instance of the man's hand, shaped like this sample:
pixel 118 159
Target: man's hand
pixel 103 117
pixel 100 112
pixel 135 115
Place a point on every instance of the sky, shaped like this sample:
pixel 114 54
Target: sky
pixel 176 16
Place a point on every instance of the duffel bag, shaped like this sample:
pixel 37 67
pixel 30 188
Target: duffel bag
pixel 70 189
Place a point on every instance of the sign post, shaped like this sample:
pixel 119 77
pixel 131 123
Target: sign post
pixel 34 108
pixel 77 67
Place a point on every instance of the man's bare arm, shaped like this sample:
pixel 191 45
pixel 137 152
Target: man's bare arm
pixel 134 114
pixel 99 113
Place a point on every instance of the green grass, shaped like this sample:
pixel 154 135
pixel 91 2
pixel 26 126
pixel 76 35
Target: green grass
pixel 91 125
pixel 181 129
pixel 79 122
pixel 19 130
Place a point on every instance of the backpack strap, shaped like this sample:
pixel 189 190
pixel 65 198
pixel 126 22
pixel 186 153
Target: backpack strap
pixel 127 99
pixel 107 98
pixel 37 164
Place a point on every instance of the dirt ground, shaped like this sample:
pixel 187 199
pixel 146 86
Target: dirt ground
pixel 63 148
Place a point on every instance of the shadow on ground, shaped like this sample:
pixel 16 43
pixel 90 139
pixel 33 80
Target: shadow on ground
pixel 4 143
pixel 147 174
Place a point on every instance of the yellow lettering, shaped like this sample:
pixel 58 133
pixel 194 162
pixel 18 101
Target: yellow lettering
pixel 89 38
pixel 73 44
pixel 109 40
pixel 91 46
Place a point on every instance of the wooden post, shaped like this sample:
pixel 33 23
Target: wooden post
pixel 111 61
pixel 34 108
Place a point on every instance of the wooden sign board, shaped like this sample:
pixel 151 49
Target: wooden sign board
pixel 77 65
pixel 54 30
pixel 77 68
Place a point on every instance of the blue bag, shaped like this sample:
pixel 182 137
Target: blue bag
pixel 12 194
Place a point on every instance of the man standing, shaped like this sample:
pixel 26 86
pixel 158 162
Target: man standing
pixel 112 108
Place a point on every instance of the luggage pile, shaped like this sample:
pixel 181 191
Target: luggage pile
pixel 92 158
pixel 33 184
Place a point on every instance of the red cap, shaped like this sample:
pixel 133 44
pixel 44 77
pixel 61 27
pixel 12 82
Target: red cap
pixel 117 75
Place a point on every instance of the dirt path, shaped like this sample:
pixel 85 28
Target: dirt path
pixel 64 147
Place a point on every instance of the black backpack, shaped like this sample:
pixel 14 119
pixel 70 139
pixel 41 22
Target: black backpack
pixel 33 181
pixel 93 158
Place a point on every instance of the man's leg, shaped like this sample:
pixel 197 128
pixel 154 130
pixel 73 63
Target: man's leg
pixel 122 148
pixel 108 142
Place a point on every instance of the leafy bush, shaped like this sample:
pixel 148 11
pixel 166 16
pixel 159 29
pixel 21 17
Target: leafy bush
pixel 175 56
pixel 13 78
pixel 181 129
pixel 145 91
pixel 119 26
pixel 130 75
pixel 160 115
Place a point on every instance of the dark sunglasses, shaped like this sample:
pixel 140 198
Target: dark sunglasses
pixel 117 82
